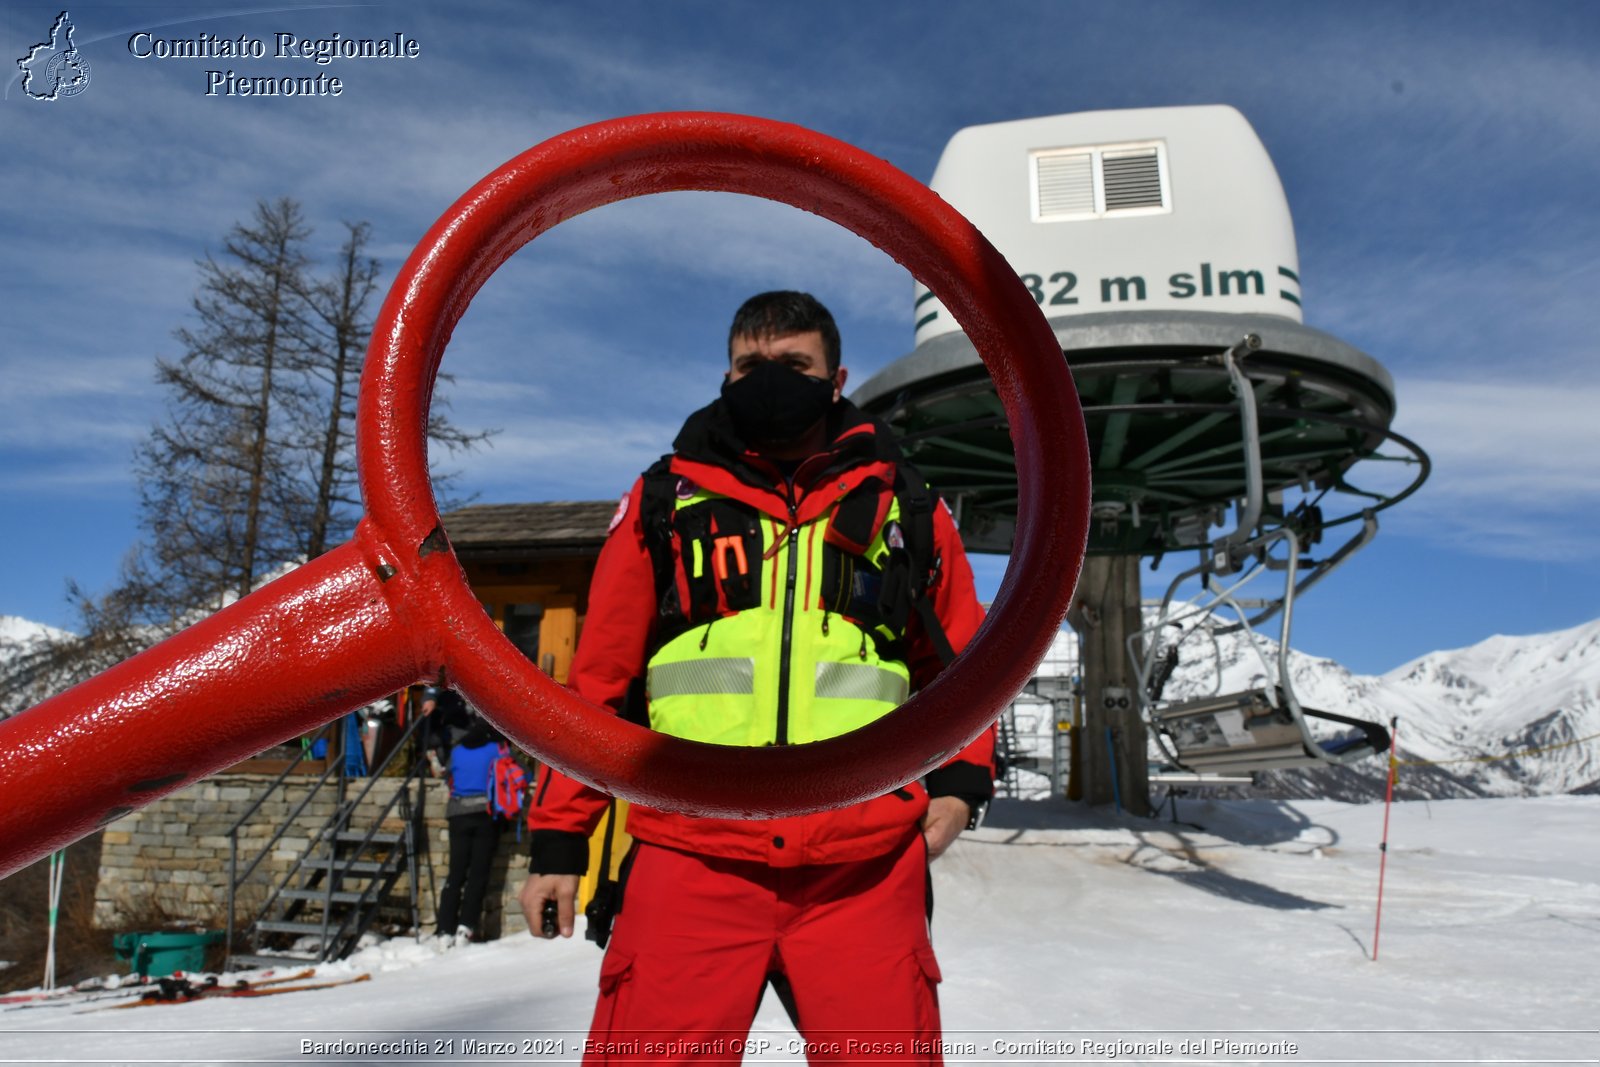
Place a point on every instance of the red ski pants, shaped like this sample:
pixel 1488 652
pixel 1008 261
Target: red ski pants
pixel 698 936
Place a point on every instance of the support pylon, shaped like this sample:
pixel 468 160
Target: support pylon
pixel 1112 742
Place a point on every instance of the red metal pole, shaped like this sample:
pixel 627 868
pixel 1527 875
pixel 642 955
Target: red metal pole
pixel 1383 848
pixel 271 667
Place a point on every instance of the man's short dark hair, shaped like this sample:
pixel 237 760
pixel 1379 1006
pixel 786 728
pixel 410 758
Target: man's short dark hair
pixel 780 313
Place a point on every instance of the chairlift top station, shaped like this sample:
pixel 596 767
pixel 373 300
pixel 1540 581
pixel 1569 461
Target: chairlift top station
pixel 1154 240
pixel 1159 244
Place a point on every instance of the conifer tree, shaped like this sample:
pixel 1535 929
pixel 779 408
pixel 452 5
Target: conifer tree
pixel 252 466
pixel 339 304
pixel 341 326
pixel 218 497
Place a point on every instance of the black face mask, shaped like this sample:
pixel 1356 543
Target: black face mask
pixel 774 404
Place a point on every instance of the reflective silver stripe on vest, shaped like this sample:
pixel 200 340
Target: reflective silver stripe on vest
pixel 860 681
pixel 698 677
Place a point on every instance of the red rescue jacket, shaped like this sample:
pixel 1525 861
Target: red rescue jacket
pixel 617 640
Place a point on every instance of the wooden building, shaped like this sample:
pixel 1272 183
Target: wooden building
pixel 530 565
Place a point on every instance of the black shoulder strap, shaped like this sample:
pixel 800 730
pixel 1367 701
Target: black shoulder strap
pixel 605 844
pixel 655 515
pixel 917 502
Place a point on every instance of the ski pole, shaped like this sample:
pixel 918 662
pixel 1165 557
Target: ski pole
pixel 1383 847
pixel 57 869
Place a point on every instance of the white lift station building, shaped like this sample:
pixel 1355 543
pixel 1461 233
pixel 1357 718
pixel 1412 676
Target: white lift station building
pixel 1221 239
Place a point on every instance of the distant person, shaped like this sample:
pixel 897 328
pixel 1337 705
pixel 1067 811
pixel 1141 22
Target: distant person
pixel 445 720
pixel 474 831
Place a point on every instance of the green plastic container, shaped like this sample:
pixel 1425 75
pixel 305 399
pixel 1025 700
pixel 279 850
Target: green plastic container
pixel 155 955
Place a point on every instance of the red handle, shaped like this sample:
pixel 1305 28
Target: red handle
pixel 393 606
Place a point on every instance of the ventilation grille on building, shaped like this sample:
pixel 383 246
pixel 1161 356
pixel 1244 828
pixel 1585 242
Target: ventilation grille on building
pixel 1066 184
pixel 1132 180
pixel 1092 182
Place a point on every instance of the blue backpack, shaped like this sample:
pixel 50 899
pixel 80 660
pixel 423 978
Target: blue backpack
pixel 508 788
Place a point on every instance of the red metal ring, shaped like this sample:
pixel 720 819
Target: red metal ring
pixel 611 161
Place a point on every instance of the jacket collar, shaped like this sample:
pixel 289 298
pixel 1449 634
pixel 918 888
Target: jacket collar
pixel 854 438
pixel 710 452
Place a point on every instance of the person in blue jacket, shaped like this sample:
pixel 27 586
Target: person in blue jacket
pixel 474 831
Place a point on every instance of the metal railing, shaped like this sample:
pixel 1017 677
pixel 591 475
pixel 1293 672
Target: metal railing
pixel 333 829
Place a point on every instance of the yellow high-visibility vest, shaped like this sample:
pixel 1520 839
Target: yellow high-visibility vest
pixel 785 671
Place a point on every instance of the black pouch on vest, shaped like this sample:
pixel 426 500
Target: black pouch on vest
pixel 691 529
pixel 734 556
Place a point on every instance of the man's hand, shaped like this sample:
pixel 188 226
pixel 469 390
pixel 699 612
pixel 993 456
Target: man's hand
pixel 561 888
pixel 946 818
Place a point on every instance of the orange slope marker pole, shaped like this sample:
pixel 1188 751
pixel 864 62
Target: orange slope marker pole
pixel 1383 848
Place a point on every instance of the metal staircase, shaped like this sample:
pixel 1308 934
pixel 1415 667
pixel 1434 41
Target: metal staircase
pixel 1008 754
pixel 331 895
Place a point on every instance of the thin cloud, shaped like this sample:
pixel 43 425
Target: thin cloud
pixel 548 458
pixel 1444 311
pixel 1538 440
pixel 1513 467
pixel 734 238
pixel 74 477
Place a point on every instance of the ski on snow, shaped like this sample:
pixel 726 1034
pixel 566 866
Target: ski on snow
pixel 182 991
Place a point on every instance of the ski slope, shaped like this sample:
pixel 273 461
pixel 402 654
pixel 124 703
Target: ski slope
pixel 1066 935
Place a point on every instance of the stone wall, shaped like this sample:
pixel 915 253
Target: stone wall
pixel 170 859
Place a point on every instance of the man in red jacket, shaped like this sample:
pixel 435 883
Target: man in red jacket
pixel 784 576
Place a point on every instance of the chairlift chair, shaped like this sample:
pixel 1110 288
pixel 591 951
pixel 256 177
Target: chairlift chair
pixel 1252 731
pixel 1265 727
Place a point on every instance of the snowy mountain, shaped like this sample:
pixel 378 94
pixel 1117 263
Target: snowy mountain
pixel 1513 694
pixel 1461 712
pixel 15 630
pixel 26 652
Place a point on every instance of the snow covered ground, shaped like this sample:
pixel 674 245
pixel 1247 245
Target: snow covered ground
pixel 1066 935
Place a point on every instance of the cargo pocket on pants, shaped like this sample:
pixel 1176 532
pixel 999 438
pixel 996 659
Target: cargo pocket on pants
pixel 928 1023
pixel 616 975
pixel 615 969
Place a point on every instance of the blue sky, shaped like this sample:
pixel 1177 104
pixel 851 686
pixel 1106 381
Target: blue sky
pixel 1440 161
